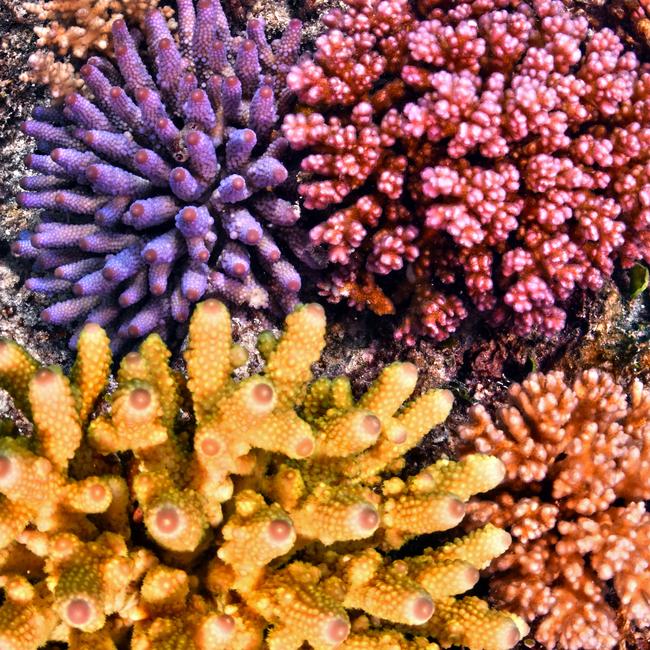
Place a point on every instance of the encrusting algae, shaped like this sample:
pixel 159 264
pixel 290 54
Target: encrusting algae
pixel 209 513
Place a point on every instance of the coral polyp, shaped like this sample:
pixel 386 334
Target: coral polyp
pixel 167 185
pixel 211 514
pixel 487 156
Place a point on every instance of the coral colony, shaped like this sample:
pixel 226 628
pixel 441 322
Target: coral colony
pixel 166 187
pixel 486 156
pixel 281 489
pixel 577 460
pixel 491 154
pixel 75 27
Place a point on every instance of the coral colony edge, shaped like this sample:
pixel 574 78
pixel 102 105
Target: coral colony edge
pixel 206 512
pixel 168 185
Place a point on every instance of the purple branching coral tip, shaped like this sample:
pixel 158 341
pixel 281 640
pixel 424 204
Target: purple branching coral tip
pixel 149 184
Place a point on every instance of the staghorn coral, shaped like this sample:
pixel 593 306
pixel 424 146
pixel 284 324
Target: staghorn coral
pixel 577 460
pixel 487 154
pixel 208 513
pixel 160 192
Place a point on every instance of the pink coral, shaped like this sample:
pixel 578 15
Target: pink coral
pixel 484 153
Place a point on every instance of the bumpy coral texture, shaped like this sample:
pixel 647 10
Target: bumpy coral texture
pixel 167 186
pixel 489 154
pixel 60 76
pixel 212 514
pixel 75 27
pixel 577 460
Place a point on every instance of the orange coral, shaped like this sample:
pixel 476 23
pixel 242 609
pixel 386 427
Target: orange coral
pixel 75 27
pixel 60 76
pixel 577 460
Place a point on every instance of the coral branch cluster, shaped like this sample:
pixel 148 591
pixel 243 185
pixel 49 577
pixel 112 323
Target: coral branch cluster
pixel 207 513
pixel 492 154
pixel 60 76
pixel 577 460
pixel 75 27
pixel 167 186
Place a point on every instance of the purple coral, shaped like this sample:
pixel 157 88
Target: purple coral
pixel 489 153
pixel 167 186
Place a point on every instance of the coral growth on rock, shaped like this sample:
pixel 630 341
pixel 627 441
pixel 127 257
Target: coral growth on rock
pixel 167 187
pixel 61 77
pixel 75 27
pixel 577 460
pixel 205 513
pixel 486 154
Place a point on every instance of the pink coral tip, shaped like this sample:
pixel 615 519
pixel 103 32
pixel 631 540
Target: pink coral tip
pixel 367 518
pixel 210 446
pixel 420 609
pixel 263 393
pixel 336 631
pixel 140 398
pixel 98 492
pixel 280 530
pixel 305 447
pixel 371 425
pixel 78 612
pixel 44 377
pixel 5 467
pixel 167 520
pixel 252 235
pixel 225 624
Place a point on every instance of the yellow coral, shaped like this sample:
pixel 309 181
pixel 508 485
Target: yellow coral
pixel 90 372
pixel 469 622
pixel 229 480
pixel 56 416
pixel 26 619
pixel 17 368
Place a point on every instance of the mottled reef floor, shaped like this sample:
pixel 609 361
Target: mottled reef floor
pixel 612 331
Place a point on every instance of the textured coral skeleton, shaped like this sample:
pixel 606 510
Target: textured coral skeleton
pixel 208 513
pixel 488 155
pixel 167 186
pixel 76 27
pixel 577 459
pixel 61 77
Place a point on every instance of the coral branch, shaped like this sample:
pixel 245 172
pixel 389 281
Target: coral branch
pixel 210 513
pixel 576 458
pixel 488 154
